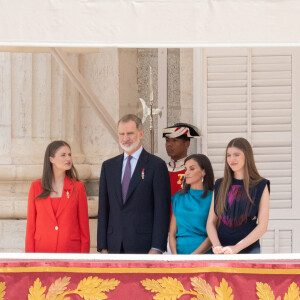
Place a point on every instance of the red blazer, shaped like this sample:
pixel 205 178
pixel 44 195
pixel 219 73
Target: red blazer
pixel 68 230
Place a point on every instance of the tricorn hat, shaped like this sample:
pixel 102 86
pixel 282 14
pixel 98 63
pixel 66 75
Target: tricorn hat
pixel 181 131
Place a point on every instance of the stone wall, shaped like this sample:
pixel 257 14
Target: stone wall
pixel 40 104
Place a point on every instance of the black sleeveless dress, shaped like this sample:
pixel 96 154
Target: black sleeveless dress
pixel 240 216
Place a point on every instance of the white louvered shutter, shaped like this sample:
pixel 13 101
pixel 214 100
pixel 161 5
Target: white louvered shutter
pixel 253 93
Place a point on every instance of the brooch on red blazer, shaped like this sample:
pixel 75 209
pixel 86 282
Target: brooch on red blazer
pixel 143 174
pixel 67 193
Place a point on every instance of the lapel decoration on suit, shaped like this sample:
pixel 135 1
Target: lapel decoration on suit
pixel 143 174
pixel 136 178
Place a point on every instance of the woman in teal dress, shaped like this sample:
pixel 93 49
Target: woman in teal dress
pixel 187 234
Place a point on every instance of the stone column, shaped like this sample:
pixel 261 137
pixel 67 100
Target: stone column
pixel 5 111
pixel 38 105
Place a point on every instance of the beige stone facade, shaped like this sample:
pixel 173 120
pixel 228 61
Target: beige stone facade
pixel 40 104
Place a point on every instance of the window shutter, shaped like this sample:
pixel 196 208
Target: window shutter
pixel 271 123
pixel 250 95
pixel 227 116
pixel 254 93
pixel 282 237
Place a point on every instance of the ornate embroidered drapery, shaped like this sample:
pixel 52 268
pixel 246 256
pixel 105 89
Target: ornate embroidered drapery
pixel 52 276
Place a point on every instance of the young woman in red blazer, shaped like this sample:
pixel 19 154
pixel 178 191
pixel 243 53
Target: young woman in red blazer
pixel 57 215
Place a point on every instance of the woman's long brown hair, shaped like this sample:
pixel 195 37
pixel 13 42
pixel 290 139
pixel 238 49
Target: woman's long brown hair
pixel 251 175
pixel 48 169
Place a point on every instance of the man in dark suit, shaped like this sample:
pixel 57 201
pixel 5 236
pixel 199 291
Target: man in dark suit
pixel 134 197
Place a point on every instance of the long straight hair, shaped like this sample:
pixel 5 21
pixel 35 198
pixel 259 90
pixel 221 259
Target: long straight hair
pixel 251 175
pixel 48 168
pixel 208 180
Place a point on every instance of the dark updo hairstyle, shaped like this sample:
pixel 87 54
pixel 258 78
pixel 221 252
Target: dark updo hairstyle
pixel 209 178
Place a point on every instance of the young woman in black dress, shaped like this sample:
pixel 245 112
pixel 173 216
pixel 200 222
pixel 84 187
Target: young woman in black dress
pixel 240 203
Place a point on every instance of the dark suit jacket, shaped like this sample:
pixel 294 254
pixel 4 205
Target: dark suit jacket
pixel 142 222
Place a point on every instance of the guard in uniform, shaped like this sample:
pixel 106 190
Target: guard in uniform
pixel 177 143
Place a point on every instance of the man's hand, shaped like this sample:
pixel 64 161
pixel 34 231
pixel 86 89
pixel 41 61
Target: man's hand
pixel 104 251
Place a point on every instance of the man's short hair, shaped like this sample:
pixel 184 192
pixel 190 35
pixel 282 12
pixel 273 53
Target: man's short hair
pixel 134 118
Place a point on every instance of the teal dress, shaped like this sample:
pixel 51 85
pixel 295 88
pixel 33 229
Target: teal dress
pixel 191 212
